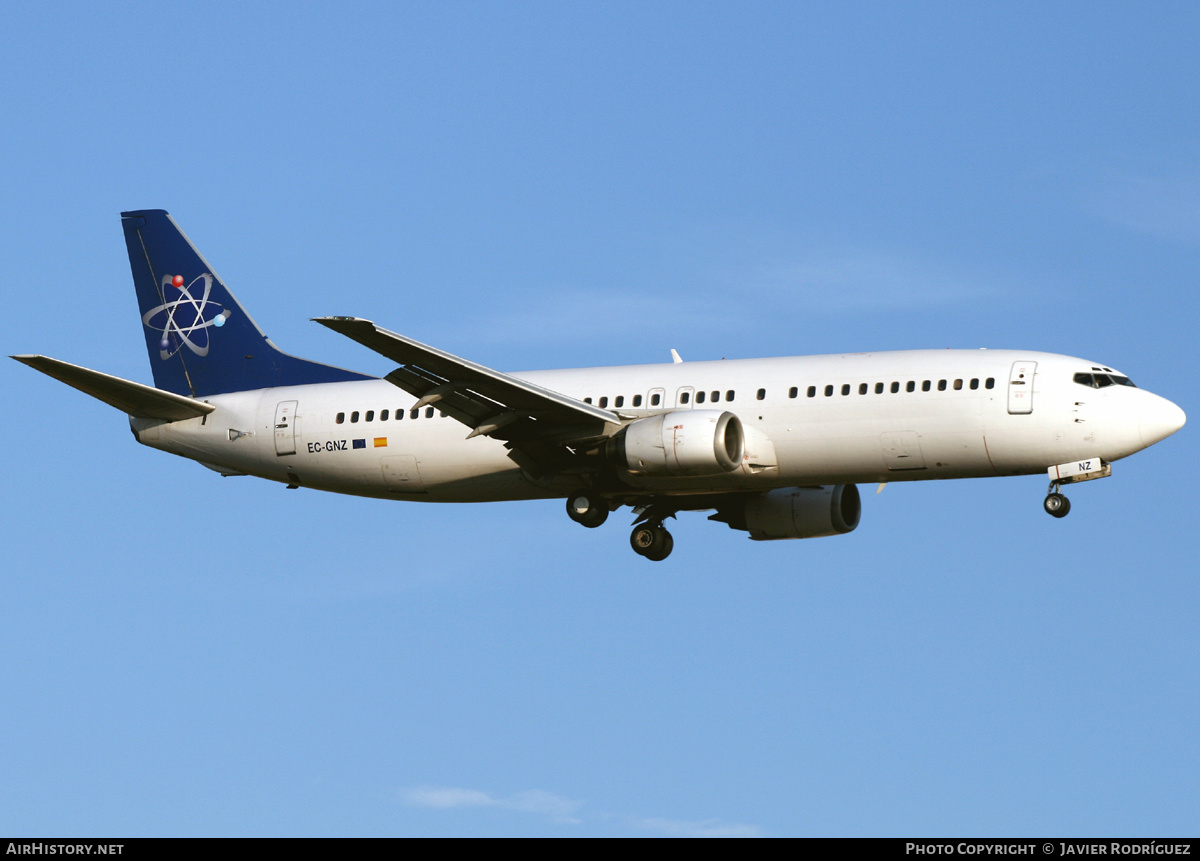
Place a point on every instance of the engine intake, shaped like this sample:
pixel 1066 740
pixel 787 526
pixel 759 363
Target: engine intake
pixel 687 442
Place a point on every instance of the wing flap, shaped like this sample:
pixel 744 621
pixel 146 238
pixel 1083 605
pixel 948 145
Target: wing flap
pixel 129 397
pixel 476 395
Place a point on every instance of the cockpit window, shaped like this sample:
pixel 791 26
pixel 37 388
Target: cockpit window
pixel 1100 381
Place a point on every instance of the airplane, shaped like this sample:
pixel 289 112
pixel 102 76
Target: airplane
pixel 773 447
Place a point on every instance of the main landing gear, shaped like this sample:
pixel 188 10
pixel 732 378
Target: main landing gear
pixel 587 508
pixel 1056 504
pixel 651 539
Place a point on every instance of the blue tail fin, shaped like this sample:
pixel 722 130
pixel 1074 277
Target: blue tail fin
pixel 201 341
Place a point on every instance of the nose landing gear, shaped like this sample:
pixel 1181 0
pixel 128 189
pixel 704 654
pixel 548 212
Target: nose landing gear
pixel 1084 469
pixel 1056 504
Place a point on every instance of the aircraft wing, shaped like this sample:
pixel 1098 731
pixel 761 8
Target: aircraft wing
pixel 539 426
pixel 133 398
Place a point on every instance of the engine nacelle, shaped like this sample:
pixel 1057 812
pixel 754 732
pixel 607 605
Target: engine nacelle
pixel 687 442
pixel 797 512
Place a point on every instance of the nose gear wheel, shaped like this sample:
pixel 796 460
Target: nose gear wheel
pixel 1056 504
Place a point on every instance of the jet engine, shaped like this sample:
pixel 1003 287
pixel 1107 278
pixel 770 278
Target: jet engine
pixel 688 442
pixel 794 512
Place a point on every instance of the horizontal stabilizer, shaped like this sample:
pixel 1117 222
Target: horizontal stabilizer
pixel 140 401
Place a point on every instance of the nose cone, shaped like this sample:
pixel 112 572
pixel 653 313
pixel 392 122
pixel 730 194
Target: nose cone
pixel 1158 419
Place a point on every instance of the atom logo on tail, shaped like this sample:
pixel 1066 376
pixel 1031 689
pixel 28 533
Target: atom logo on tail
pixel 185 321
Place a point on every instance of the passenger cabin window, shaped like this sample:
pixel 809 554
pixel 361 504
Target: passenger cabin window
pixel 925 386
pixel 587 400
pixel 911 386
pixel 354 416
pixel 793 391
pixel 975 382
pixel 370 415
pixel 637 400
pixel 715 396
pixel 341 418
pixel 812 391
pixel 685 397
pixel 941 385
pixel 619 401
pixel 895 387
pixel 729 395
pixel 879 388
pixel 829 391
pixel 399 415
pixel 604 402
pixel 845 388
pixel 762 393
pixel 990 384
pixel 862 388
pixel 957 385
pixel 383 416
pixel 700 396
pixel 655 399
pixel 416 414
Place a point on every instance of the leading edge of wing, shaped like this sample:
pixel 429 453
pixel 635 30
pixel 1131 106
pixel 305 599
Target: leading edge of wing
pixel 461 374
pixel 136 399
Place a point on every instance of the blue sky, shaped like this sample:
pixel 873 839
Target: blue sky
pixel 553 185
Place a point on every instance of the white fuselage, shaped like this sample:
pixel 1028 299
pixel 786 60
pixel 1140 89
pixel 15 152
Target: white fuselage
pixel 871 427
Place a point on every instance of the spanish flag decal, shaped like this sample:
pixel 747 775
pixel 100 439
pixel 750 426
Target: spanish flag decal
pixel 380 442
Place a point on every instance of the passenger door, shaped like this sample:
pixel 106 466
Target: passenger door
pixel 1020 388
pixel 285 428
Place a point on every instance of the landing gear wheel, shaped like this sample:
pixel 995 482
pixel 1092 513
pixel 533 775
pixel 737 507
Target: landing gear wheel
pixel 1057 505
pixel 587 509
pixel 668 544
pixel 652 541
pixel 645 539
